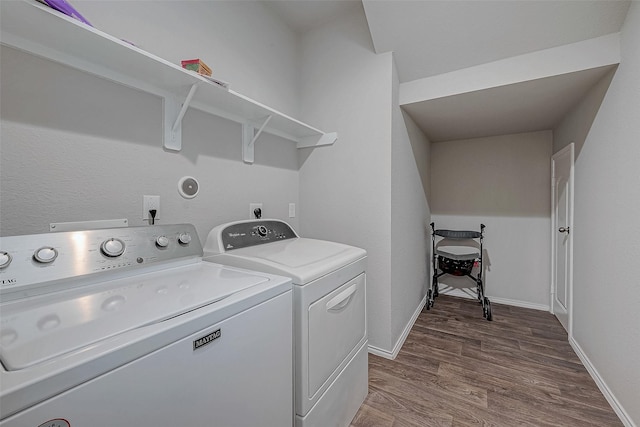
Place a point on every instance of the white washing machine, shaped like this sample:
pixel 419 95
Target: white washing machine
pixel 330 326
pixel 128 327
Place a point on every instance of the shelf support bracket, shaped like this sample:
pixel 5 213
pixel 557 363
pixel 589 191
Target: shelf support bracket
pixel 249 137
pixel 173 134
pixel 317 141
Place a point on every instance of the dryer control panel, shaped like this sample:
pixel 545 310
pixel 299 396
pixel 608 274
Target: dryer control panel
pixel 251 233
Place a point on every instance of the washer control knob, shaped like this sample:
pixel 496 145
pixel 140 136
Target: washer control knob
pixel 112 247
pixel 45 255
pixel 5 259
pixel 184 238
pixel 262 230
pixel 162 241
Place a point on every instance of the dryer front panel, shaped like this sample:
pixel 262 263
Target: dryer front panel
pixel 337 324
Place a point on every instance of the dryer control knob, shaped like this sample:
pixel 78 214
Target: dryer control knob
pixel 162 241
pixel 112 247
pixel 5 259
pixel 184 238
pixel 45 255
pixel 262 230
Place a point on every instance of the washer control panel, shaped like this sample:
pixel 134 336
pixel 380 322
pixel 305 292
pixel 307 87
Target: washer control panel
pixel 251 233
pixel 37 259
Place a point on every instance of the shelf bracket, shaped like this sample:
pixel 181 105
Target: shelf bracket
pixel 317 141
pixel 249 137
pixel 173 134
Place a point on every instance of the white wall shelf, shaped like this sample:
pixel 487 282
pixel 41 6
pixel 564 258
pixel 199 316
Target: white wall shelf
pixel 34 28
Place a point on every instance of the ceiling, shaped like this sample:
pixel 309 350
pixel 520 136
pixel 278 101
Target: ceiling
pixel 305 15
pixel 523 107
pixel 432 37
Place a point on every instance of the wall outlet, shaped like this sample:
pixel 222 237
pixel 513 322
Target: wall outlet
pixel 252 208
pixel 292 210
pixel 148 203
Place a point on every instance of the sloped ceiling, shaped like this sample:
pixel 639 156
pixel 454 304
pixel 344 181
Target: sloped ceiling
pixel 304 15
pixel 433 37
pixel 523 107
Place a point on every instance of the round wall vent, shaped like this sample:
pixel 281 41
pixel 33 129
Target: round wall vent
pixel 188 187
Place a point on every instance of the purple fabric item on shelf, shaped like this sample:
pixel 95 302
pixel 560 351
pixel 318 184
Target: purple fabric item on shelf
pixel 64 7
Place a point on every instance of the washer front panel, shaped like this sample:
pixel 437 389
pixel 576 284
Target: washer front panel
pixel 228 290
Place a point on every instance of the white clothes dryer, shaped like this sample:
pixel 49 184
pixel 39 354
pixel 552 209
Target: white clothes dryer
pixel 330 325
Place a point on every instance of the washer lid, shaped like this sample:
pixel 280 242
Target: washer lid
pixel 302 259
pixel 39 329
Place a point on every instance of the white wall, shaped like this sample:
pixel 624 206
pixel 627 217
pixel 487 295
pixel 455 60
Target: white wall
pixel 575 126
pixel 409 218
pixel 345 190
pixel 243 42
pixel 606 229
pixel 367 190
pixel 503 182
pixel 76 147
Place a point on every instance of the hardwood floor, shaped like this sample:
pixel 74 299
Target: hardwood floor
pixel 457 369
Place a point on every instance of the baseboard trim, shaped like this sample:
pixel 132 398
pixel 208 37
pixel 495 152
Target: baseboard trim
pixel 618 409
pixel 391 355
pixel 471 294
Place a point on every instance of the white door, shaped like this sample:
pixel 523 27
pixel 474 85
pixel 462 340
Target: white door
pixel 561 235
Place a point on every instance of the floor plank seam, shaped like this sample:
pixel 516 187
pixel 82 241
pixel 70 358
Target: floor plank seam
pixel 457 369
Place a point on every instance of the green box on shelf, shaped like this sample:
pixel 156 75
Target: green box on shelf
pixel 196 65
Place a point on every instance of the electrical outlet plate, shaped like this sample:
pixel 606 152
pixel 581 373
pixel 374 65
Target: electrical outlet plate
pixel 252 207
pixel 148 203
pixel 292 210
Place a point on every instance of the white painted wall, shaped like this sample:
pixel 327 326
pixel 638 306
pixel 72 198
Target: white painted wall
pixel 575 126
pixel 409 218
pixel 368 190
pixel 243 42
pixel 76 147
pixel 503 182
pixel 345 190
pixel 606 230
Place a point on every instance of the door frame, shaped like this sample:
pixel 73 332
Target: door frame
pixel 554 230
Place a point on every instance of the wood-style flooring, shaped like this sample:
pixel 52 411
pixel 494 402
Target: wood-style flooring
pixel 458 369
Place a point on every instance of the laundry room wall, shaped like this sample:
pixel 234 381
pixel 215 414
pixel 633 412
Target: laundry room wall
pixel 606 229
pixel 362 190
pixel 410 214
pixel 76 147
pixel 503 182
pixel 345 190
pixel 243 42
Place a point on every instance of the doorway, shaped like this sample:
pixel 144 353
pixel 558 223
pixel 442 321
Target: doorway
pixel 562 236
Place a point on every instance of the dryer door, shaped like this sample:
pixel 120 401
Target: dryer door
pixel 337 323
